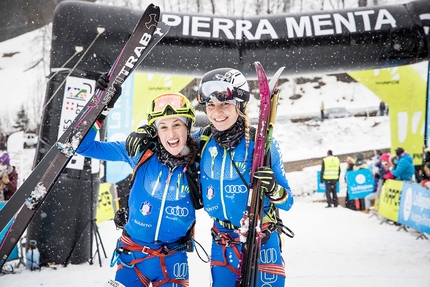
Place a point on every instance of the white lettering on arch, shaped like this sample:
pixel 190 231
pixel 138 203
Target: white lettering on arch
pixel 349 23
pixel 384 18
pixel 242 29
pixel 301 29
pixel 264 27
pixel 319 22
pixel 224 25
pixel 198 25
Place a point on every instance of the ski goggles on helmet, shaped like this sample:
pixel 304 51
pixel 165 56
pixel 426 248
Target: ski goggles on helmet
pixel 169 105
pixel 222 91
pixel 177 102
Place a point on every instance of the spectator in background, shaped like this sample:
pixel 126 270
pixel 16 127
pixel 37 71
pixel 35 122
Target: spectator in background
pixel 424 173
pixel 330 172
pixel 381 108
pixel 378 154
pixel 349 167
pixel 8 178
pixel 405 168
pixel 392 163
pixel 360 163
pixel 322 111
pixel 381 167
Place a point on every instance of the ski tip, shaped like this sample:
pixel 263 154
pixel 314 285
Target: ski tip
pixel 153 6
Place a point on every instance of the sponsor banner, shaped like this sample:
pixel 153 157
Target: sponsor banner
pixel 360 183
pixel 404 90
pixel 77 93
pixel 428 107
pixel 389 199
pixel 14 254
pixel 118 127
pixel 148 86
pixel 321 186
pixel 105 205
pixel 415 207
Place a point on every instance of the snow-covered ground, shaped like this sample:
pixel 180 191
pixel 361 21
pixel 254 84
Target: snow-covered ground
pixel 332 247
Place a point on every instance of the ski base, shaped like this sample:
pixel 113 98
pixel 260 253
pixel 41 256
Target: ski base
pixel 145 37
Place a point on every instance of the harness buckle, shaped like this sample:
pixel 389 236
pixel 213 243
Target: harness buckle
pixel 145 249
pixel 164 250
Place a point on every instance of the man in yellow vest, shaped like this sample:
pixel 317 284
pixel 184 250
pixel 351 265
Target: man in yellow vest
pixel 330 172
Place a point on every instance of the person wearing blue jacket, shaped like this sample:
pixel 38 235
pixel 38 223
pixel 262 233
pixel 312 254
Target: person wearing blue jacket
pixel 225 171
pixel 405 167
pixel 226 149
pixel 152 248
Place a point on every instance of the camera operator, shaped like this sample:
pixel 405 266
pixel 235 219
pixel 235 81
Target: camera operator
pixel 8 178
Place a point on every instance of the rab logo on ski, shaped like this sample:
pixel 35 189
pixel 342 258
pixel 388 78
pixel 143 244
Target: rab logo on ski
pixel 131 62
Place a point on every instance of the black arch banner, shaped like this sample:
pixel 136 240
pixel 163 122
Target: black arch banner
pixel 324 41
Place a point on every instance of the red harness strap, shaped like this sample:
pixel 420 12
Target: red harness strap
pixel 275 269
pixel 225 240
pixel 161 253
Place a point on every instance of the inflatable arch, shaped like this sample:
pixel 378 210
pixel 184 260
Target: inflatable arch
pixel 324 41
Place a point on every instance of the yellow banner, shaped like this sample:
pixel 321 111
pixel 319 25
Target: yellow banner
pixel 404 90
pixel 147 86
pixel 389 199
pixel 105 208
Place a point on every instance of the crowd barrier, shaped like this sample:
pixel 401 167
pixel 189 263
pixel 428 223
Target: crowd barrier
pixel 406 203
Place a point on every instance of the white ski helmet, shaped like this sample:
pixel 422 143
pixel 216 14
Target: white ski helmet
pixel 224 84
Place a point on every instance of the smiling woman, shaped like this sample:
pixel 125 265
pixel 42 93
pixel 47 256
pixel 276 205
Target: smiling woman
pixel 160 214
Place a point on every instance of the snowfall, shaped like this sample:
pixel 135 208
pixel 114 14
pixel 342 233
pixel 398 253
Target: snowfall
pixel 331 247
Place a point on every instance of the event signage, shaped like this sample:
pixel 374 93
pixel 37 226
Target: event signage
pixel 407 109
pixel 359 183
pixel 414 208
pixel 295 27
pixel 14 254
pixel 77 93
pixel 106 205
pixel 321 186
pixel 389 199
pixel 118 127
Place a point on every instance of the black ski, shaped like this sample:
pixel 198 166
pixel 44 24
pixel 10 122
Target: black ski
pixel 31 194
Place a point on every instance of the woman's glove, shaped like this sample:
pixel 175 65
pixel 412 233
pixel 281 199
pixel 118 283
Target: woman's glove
pixel 120 218
pixel 139 140
pixel 102 83
pixel 268 181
